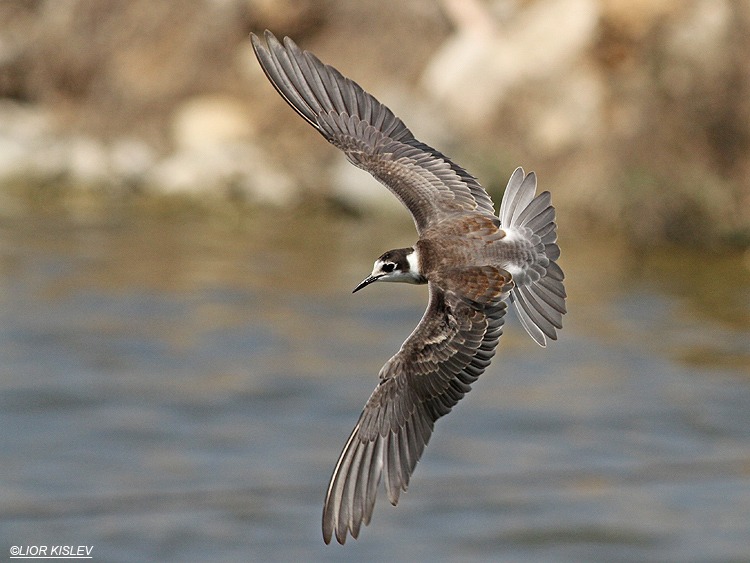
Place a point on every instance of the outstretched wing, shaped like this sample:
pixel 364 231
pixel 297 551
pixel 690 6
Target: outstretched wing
pixel 372 137
pixel 446 353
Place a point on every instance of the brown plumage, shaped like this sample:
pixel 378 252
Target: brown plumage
pixel 473 261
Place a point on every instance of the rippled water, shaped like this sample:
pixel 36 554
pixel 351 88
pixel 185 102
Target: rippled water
pixel 176 386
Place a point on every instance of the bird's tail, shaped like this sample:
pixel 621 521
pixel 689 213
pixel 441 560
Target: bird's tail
pixel 539 293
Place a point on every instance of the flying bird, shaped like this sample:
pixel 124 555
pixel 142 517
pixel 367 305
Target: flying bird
pixel 473 261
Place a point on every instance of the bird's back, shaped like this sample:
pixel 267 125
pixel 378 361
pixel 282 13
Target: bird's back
pixel 520 242
pixel 471 241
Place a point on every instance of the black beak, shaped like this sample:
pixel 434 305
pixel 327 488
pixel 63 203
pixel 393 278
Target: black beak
pixel 366 282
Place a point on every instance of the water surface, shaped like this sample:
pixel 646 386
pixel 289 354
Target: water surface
pixel 177 385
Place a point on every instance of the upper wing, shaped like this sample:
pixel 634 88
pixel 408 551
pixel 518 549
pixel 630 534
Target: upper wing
pixel 449 349
pixel 424 180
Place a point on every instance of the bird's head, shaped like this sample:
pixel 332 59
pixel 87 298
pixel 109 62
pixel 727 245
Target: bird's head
pixel 400 265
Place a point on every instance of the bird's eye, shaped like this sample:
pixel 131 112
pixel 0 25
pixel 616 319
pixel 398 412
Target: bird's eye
pixel 388 267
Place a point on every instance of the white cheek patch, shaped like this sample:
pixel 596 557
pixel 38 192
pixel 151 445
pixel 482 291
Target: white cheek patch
pixel 413 260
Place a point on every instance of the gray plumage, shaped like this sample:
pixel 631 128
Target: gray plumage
pixel 473 261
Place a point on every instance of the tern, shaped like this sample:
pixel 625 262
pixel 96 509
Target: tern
pixel 473 261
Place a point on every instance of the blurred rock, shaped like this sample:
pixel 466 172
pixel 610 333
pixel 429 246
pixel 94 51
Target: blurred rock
pixel 214 155
pixel 220 170
pixel 131 161
pixel 290 17
pixel 359 190
pixel 21 128
pixel 698 42
pixel 29 147
pixel 636 18
pixel 474 71
pixel 206 121
pixel 87 162
pixel 636 113
pixel 574 114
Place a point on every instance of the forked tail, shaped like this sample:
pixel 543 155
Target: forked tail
pixel 539 293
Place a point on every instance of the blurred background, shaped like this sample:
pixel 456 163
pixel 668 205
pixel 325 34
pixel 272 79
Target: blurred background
pixel 181 359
